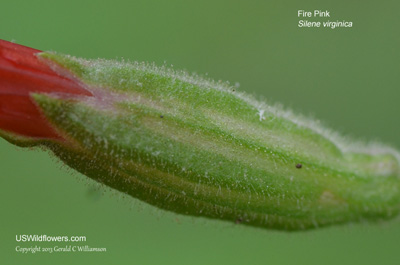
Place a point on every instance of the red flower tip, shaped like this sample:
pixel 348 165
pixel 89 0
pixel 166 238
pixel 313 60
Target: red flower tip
pixel 22 73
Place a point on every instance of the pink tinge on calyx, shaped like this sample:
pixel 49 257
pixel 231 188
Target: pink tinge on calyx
pixel 23 73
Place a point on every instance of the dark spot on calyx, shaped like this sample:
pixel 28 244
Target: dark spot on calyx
pixel 161 116
pixel 299 165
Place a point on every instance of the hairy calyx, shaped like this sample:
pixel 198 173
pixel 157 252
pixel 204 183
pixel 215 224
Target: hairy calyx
pixel 199 147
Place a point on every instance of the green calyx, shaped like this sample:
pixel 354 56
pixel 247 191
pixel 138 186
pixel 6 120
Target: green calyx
pixel 199 147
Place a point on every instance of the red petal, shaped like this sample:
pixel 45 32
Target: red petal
pixel 21 73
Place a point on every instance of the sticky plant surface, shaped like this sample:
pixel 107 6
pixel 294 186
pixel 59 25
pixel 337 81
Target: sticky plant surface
pixel 201 148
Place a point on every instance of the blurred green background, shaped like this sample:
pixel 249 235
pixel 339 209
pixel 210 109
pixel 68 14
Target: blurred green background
pixel 347 78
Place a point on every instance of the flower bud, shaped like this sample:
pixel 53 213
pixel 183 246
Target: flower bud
pixel 198 147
